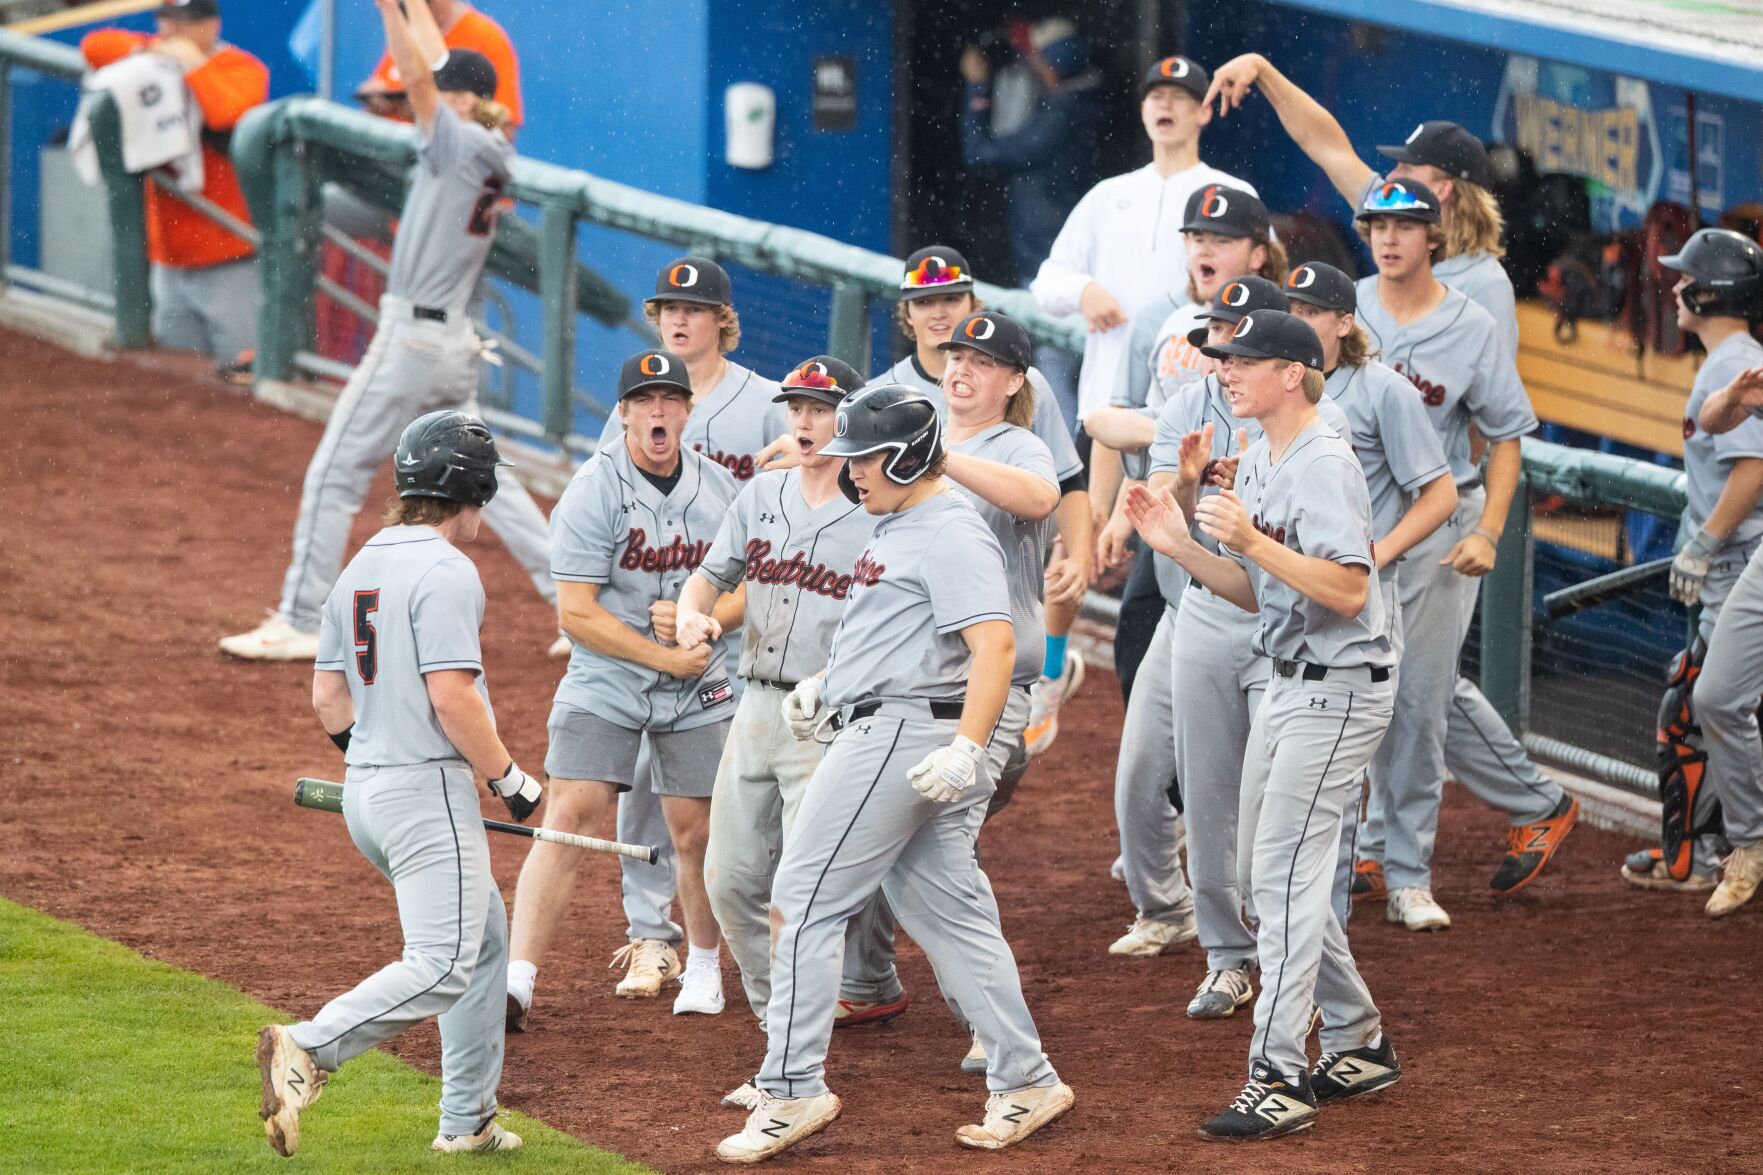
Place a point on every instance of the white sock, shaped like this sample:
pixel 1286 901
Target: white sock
pixel 1376 1042
pixel 521 975
pixel 704 958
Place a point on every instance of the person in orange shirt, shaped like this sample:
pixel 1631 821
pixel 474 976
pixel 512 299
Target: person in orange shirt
pixel 462 27
pixel 205 289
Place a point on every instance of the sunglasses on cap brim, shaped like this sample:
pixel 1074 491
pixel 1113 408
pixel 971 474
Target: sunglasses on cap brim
pixel 1391 199
pixel 818 380
pixel 927 277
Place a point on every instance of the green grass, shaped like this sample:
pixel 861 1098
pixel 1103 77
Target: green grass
pixel 113 1062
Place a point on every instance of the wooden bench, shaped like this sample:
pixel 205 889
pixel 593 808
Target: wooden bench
pixel 1597 385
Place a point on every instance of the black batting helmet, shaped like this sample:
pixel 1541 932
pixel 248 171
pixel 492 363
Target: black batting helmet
pixel 448 455
pixel 1726 274
pixel 890 417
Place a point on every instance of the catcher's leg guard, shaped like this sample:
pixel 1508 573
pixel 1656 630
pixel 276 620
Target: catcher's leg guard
pixel 1681 764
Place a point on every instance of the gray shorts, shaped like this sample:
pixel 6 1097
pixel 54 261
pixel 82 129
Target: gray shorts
pixel 586 746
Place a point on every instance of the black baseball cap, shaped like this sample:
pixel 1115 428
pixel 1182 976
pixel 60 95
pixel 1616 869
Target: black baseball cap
pixel 653 369
pixel 1227 211
pixel 189 10
pixel 1237 298
pixel 822 378
pixel 1272 334
pixel 465 71
pixel 1321 284
pixel 991 333
pixel 935 270
pixel 693 279
pixel 1180 71
pixel 1404 197
pixel 1446 146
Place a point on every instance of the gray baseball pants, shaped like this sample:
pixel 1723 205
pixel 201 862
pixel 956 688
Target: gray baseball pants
pixel 420 828
pixel 1218 682
pixel 209 309
pixel 1442 721
pixel 412 367
pixel 1317 739
pixel 1143 774
pixel 1725 702
pixel 765 771
pixel 862 826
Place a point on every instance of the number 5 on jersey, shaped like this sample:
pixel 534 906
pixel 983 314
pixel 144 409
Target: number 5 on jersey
pixel 367 640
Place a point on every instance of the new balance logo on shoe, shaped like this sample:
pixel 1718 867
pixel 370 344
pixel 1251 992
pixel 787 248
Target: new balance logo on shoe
pixel 1345 1071
pixel 1015 1114
pixel 777 1127
pixel 1275 1108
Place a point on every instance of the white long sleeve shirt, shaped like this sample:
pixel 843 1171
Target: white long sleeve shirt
pixel 1124 235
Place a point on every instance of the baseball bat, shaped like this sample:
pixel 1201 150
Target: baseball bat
pixel 326 796
pixel 1601 590
pixel 75 17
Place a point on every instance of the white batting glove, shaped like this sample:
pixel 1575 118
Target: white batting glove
pixel 520 791
pixel 804 708
pixel 1691 566
pixel 946 773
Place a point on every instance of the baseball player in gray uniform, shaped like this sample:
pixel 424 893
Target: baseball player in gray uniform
pixel 737 423
pixel 425 353
pixel 1719 298
pixel 936 293
pixel 917 680
pixel 634 522
pixel 1452 351
pixel 1295 547
pixel 792 538
pixel 399 686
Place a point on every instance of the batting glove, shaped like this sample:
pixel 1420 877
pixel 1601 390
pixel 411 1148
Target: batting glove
pixel 520 791
pixel 946 773
pixel 1690 568
pixel 804 708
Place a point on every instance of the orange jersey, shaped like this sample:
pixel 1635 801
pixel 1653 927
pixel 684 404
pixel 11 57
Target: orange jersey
pixel 475 31
pixel 226 86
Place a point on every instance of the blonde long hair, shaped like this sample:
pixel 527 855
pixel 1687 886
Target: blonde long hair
pixel 1474 224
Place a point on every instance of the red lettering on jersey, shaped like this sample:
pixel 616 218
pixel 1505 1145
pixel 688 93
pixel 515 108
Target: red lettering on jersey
pixel 1276 533
pixel 867 572
pixel 1433 394
pixel 640 556
pixel 1689 428
pixel 739 464
pixel 810 577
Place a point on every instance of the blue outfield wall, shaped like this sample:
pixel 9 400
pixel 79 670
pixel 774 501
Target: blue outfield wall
pixel 633 92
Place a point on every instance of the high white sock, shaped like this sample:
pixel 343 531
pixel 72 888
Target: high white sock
pixel 521 975
pixel 705 958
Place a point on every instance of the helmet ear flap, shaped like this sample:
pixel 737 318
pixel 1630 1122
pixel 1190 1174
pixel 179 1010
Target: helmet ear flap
pixel 918 454
pixel 846 484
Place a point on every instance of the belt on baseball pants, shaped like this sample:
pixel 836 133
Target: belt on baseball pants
pixel 431 313
pixel 1317 672
pixel 785 686
pixel 942 710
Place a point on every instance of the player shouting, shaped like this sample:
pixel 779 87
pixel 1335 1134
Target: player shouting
pixel 917 680
pixel 399 687
pixel 1295 548
pixel 424 354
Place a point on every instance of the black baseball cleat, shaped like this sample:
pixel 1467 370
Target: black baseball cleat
pixel 515 1021
pixel 1269 1106
pixel 1338 1076
pixel 1529 847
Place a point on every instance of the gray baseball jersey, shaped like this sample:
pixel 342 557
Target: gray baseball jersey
pixel 409 603
pixel 1313 502
pixel 1465 372
pixel 1137 363
pixel 1024 542
pixel 730 424
pixel 797 564
pixel 1708 458
pixel 1048 424
pixel 449 217
pixel 1391 435
pixel 613 527
pixel 928 573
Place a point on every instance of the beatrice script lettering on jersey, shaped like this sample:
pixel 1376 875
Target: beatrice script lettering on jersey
pixel 810 577
pixel 639 556
pixel 867 572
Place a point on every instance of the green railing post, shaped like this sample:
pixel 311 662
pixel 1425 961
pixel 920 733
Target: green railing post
pixel 557 278
pixel 847 325
pixel 1506 617
pixel 127 199
pixel 287 260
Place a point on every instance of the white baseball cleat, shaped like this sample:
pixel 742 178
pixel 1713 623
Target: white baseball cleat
pixel 559 647
pixel 700 991
pixel 1045 697
pixel 1220 994
pixel 491 1138
pixel 648 963
pixel 1414 908
pixel 273 640
pixel 743 1097
pixel 1740 874
pixel 1147 937
pixel 291 1082
pixel 776 1124
pixel 1118 870
pixel 976 1060
pixel 1012 1117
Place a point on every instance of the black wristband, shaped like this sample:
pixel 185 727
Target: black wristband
pixel 341 738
